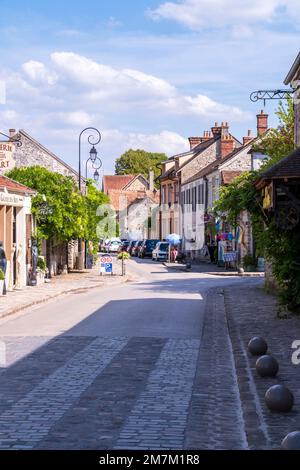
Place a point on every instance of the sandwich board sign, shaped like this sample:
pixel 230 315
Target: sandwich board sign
pixel 106 265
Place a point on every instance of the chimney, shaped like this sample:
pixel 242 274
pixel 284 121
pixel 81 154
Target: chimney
pixel 225 128
pixel 206 136
pixel 227 145
pixel 151 180
pixel 262 123
pixel 194 141
pixel 12 132
pixel 248 138
pixel 216 130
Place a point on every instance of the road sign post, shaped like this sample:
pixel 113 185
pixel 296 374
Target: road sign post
pixel 106 265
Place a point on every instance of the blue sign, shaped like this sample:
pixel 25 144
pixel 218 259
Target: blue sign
pixel 108 267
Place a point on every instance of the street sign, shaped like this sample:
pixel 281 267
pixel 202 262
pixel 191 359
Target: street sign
pixel 106 259
pixel 106 265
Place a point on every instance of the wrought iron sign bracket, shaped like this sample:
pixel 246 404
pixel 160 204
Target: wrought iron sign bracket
pixel 271 95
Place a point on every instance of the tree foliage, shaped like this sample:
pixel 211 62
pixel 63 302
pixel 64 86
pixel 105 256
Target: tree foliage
pixel 281 247
pixel 139 161
pixel 62 212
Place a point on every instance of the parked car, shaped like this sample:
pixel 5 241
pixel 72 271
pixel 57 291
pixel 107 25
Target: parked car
pixel 104 246
pixel 135 249
pixel 130 246
pixel 161 251
pixel 147 247
pixel 124 246
pixel 113 246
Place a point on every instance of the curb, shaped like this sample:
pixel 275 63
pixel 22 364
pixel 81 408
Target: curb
pixel 217 273
pixel 255 426
pixel 44 300
pixel 216 415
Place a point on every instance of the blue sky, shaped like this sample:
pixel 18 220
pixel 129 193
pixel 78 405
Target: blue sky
pixel 148 74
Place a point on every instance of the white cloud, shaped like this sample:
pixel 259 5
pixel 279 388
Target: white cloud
pixel 164 141
pixel 37 72
pixel 55 100
pixel 80 83
pixel 197 14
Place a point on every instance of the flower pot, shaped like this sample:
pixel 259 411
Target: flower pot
pixel 40 278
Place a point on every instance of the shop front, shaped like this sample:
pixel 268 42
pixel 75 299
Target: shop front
pixel 232 243
pixel 16 225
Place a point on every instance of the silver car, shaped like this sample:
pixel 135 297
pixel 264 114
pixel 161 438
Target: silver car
pixel 161 251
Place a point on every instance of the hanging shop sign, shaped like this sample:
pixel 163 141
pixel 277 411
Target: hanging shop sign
pixel 268 197
pixel 7 199
pixel 7 161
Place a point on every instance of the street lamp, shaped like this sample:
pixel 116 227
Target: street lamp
pixel 96 176
pixel 96 164
pixel 92 140
pixel 93 154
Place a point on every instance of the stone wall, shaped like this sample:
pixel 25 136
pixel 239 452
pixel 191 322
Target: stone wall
pixel 30 153
pixel 201 161
pixel 242 162
pixel 139 184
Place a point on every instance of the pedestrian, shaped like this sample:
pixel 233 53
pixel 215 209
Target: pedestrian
pixel 3 263
pixel 174 253
pixel 212 251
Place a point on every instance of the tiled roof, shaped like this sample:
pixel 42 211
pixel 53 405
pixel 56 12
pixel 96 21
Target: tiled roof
pixel 216 163
pixel 295 69
pixel 197 150
pixel 14 186
pixel 205 171
pixel 121 199
pixel 44 149
pixel 288 167
pixel 116 181
pixel 228 176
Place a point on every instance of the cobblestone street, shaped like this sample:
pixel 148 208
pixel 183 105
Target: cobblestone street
pixel 157 363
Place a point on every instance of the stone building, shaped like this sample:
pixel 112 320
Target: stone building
pixel 135 202
pixel 293 79
pixel 177 170
pixel 59 256
pixel 16 225
pixel 201 190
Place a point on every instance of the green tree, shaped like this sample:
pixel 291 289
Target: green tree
pixel 139 161
pixel 94 200
pixel 61 211
pixel 59 207
pixel 279 142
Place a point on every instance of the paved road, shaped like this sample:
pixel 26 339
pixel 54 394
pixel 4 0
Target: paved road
pixel 112 367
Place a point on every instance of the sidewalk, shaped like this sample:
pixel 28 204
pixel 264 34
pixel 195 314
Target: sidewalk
pixel 211 269
pixel 252 312
pixel 16 301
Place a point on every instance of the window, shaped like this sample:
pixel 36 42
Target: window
pixel 164 194
pixel 175 193
pixel 194 198
pixel 201 194
pixel 169 194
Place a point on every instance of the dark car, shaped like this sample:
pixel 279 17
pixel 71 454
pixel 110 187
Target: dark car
pixel 147 247
pixel 125 245
pixel 130 246
pixel 136 247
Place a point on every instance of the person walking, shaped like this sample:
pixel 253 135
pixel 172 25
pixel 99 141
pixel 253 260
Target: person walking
pixel 3 263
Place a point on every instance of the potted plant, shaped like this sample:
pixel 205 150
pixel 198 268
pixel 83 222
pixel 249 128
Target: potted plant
pixel 41 270
pixel 249 263
pixel 2 278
